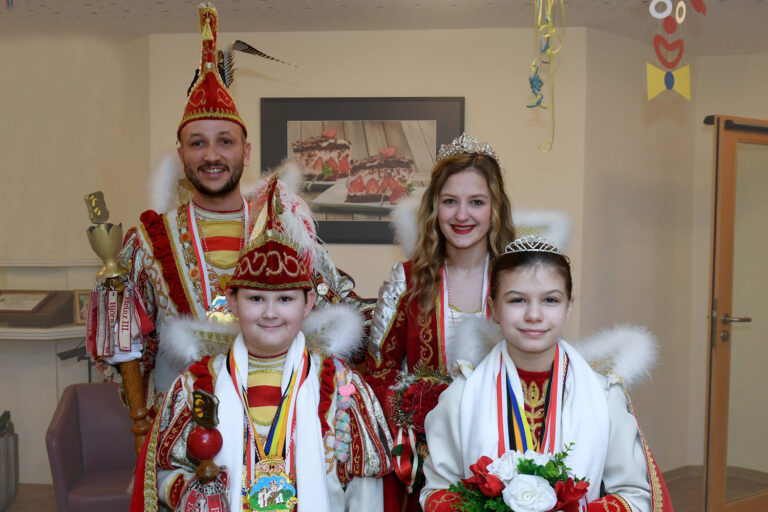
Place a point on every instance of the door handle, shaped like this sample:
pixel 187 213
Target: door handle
pixel 727 319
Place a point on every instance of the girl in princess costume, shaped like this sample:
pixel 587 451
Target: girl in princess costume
pixel 535 394
pixel 280 410
pixel 464 222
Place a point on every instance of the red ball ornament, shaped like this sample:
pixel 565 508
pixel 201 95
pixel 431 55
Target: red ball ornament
pixel 204 444
pixel 670 24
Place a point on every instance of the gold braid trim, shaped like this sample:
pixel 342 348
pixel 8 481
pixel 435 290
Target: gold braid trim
pixel 447 498
pixel 216 113
pixel 150 469
pixel 266 286
pixel 657 500
pixel 398 316
pixel 623 502
pixel 439 326
pixel 186 258
pixel 609 503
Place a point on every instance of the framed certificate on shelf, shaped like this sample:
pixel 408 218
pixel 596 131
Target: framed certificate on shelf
pixel 22 301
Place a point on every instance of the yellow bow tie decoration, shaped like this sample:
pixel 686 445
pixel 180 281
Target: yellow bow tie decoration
pixel 660 80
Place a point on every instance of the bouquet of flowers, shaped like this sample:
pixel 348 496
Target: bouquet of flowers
pixel 529 482
pixel 413 396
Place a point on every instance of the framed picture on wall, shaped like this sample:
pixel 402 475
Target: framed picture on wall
pixel 358 156
pixel 80 299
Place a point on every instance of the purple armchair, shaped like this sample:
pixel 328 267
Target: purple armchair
pixel 90 449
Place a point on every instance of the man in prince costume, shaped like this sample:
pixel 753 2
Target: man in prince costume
pixel 297 428
pixel 179 261
pixel 533 392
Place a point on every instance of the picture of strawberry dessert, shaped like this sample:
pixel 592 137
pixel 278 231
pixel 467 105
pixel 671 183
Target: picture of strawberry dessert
pixel 325 158
pixel 380 178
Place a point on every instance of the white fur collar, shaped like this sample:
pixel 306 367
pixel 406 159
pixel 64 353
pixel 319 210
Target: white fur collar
pixel 626 351
pixel 335 330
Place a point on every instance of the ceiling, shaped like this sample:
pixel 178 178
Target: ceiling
pixel 729 26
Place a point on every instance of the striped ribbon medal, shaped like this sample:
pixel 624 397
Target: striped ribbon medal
pixel 270 466
pixel 514 429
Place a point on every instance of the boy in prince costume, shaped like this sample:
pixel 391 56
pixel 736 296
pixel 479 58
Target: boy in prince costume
pixel 296 426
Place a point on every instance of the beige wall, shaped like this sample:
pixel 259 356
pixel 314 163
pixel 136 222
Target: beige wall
pixel 637 221
pixel 72 109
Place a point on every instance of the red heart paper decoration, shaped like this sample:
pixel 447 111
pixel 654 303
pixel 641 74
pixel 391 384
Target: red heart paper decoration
pixel 390 151
pixel 699 6
pixel 677 44
pixel 329 134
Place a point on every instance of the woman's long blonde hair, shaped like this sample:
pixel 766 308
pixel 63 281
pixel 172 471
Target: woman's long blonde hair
pixel 429 254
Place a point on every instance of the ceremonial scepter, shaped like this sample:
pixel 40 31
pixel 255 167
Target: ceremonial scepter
pixel 106 239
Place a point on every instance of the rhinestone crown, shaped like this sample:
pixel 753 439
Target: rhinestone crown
pixel 531 243
pixel 466 144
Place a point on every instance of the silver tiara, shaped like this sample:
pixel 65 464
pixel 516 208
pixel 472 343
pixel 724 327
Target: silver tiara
pixel 465 144
pixel 531 243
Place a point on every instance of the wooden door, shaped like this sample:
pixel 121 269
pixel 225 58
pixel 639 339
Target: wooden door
pixel 736 444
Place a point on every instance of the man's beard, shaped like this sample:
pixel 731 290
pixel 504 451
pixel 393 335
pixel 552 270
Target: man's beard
pixel 229 185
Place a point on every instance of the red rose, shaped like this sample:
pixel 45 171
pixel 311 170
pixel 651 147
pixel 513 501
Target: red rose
pixel 420 398
pixel 487 483
pixel 568 495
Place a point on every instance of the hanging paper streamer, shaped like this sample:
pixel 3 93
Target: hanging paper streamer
pixel 550 43
pixel 9 5
pixel 670 51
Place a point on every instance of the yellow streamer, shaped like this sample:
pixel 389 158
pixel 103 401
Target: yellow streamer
pixel 550 43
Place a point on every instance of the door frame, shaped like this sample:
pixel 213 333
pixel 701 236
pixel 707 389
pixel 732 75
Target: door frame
pixel 729 132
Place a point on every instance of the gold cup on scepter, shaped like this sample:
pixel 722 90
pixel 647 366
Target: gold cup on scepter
pixel 105 238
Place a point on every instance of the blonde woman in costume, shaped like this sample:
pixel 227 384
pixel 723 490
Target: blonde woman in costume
pixel 464 223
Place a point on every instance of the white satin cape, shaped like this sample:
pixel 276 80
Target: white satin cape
pixel 478 415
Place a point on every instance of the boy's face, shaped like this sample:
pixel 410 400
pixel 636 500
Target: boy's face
pixel 270 320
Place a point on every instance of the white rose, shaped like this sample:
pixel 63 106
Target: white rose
pixel 505 467
pixel 529 493
pixel 540 459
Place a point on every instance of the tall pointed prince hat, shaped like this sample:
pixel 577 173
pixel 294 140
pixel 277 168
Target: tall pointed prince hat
pixel 209 97
pixel 282 247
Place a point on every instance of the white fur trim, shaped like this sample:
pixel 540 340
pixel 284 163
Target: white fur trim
pixel 162 184
pixel 472 338
pixel 179 344
pixel 553 225
pixel 291 173
pixel 336 330
pixel 248 188
pixel 627 351
pixel 404 218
